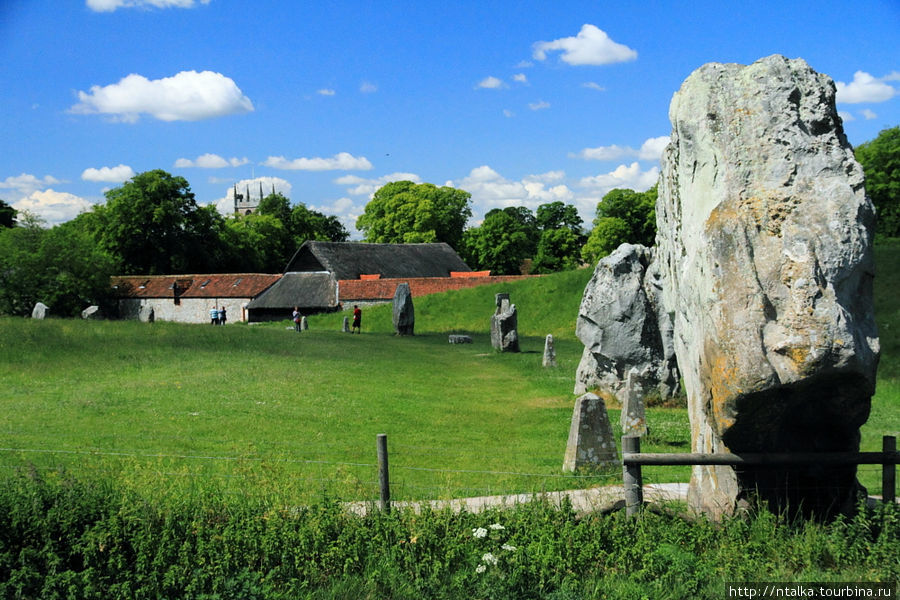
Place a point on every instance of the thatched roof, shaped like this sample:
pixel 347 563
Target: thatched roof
pixel 306 290
pixel 349 260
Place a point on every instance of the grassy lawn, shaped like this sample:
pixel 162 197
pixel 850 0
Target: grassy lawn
pixel 262 410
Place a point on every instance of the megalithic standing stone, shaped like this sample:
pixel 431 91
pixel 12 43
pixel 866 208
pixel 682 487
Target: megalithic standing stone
pixel 504 325
pixel 345 328
pixel 404 313
pixel 549 352
pixel 591 443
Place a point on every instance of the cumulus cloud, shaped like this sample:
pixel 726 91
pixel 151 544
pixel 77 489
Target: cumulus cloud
pixel 53 207
pixel 592 46
pixel 868 115
pixel 651 149
pixel 225 205
pixel 491 83
pixel 210 161
pixel 186 96
pixel 108 174
pixel 342 161
pixel 865 88
pixel 520 78
pixel 624 176
pixel 360 186
pixel 845 116
pixel 490 189
pixel 539 105
pixel 27 183
pixel 111 5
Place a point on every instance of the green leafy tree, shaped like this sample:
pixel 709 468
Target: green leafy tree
pixel 880 159
pixel 557 250
pixel 557 215
pixel 623 216
pixel 7 215
pixel 153 225
pixel 307 224
pixel 256 243
pixel 504 240
pixel 406 212
pixel 62 267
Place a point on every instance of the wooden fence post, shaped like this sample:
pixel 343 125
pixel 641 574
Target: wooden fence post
pixel 631 476
pixel 383 477
pixel 888 470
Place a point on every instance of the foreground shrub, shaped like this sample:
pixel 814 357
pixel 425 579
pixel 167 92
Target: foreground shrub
pixel 64 538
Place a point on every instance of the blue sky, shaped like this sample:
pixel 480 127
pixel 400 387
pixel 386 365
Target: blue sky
pixel 519 103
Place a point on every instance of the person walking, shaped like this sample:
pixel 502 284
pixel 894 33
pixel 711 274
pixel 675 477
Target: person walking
pixel 357 320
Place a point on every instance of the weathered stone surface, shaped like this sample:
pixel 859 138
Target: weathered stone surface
pixel 504 325
pixel 404 312
pixel 146 314
pixel 345 327
pixel 764 240
pixel 460 339
pixel 304 324
pixel 624 330
pixel 591 443
pixel 40 311
pixel 549 359
pixel 92 312
pixel 633 419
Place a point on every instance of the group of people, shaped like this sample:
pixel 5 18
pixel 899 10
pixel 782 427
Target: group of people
pixel 217 316
pixel 296 317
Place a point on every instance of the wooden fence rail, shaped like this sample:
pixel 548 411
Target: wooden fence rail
pixel 633 459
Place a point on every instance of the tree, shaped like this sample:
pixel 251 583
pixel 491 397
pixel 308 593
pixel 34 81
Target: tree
pixel 61 267
pixel 406 212
pixel 7 215
pixel 557 250
pixel 504 240
pixel 557 215
pixel 880 159
pixel 153 225
pixel 623 216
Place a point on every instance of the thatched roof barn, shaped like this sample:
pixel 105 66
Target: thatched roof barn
pixel 349 260
pixel 311 292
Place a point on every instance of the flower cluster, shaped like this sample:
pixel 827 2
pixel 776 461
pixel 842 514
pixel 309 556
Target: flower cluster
pixel 489 559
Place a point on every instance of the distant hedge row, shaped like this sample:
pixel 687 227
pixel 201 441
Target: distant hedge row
pixel 65 538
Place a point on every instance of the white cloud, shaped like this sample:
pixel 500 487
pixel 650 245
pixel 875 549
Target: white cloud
pixel 592 46
pixel 54 207
pixel 360 186
pixel 226 205
pixel 591 85
pixel 326 92
pixel 651 149
pixel 186 96
pixel 539 105
pixel 367 87
pixel 27 183
pixel 865 88
pixel 845 116
pixel 520 78
pixel 342 161
pixel 491 83
pixel 624 176
pixel 508 113
pixel 491 190
pixel 111 5
pixel 868 115
pixel 210 161
pixel 108 174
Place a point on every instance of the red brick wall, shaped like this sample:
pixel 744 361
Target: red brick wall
pixel 383 289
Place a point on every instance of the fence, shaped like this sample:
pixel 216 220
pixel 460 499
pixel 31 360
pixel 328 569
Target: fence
pixel 633 459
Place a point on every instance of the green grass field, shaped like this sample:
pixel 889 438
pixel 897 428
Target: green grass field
pixel 260 410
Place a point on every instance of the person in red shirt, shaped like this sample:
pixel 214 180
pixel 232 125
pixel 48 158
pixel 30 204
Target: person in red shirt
pixel 357 320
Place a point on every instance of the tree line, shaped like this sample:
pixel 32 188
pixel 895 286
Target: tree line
pixel 153 225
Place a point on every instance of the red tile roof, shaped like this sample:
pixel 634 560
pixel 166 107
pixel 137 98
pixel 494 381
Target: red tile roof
pixel 237 285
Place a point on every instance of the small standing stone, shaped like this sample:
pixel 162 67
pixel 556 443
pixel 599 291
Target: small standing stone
pixel 633 417
pixel 549 352
pixel 504 325
pixel 92 312
pixel 404 312
pixel 146 314
pixel 346 327
pixel 40 311
pixel 591 443
pixel 304 325
pixel 460 339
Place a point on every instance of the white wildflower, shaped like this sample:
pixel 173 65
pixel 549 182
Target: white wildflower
pixel 508 547
pixel 479 532
pixel 489 559
pixel 497 527
pixel 480 569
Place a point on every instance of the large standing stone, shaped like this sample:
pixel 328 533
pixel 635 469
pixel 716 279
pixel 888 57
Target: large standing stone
pixel 40 311
pixel 146 314
pixel 504 325
pixel 628 353
pixel 591 443
pixel 549 359
pixel 404 312
pixel 93 313
pixel 765 236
